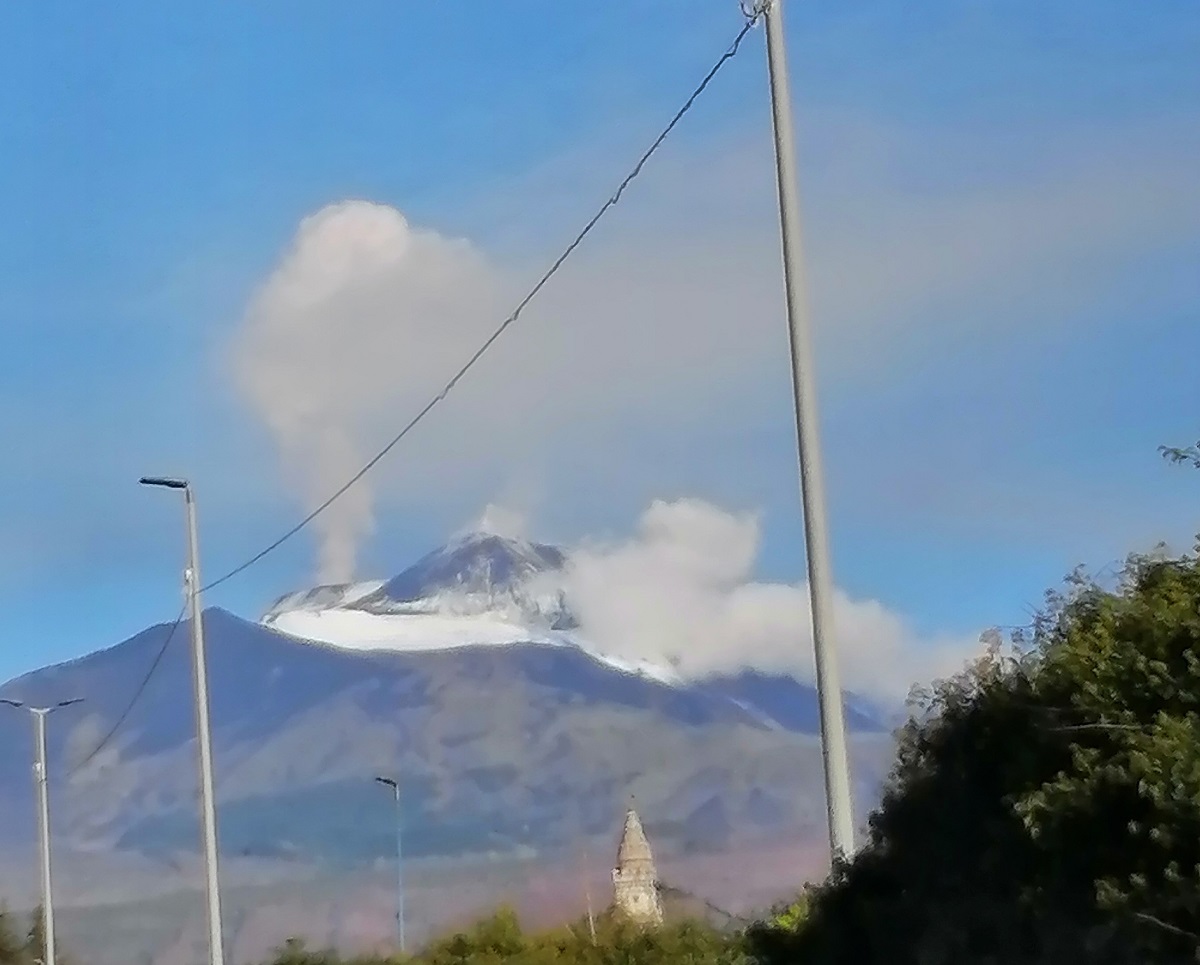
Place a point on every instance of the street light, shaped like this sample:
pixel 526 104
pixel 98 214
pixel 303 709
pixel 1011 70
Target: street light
pixel 39 715
pixel 208 809
pixel 395 786
pixel 812 483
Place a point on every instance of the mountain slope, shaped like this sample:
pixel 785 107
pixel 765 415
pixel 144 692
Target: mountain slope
pixel 783 701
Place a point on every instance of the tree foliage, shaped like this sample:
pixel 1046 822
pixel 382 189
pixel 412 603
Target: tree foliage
pixel 21 940
pixel 1182 454
pixel 35 937
pixel 1045 806
pixel 12 949
pixel 500 940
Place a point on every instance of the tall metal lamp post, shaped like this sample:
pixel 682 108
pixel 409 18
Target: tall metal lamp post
pixel 39 715
pixel 208 809
pixel 812 483
pixel 395 786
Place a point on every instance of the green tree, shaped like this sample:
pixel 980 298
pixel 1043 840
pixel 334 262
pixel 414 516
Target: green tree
pixel 1121 678
pixel 1181 454
pixel 499 938
pixel 35 937
pixel 1045 806
pixel 294 951
pixel 12 948
pixel 495 939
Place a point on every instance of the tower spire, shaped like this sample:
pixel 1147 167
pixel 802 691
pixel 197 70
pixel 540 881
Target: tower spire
pixel 635 879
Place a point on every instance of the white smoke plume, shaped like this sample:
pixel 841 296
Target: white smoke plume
pixel 352 323
pixel 670 316
pixel 680 590
pixel 502 521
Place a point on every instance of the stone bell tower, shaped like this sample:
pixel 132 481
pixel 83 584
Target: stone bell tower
pixel 635 880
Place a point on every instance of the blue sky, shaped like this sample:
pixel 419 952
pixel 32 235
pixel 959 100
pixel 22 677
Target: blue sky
pixel 1003 228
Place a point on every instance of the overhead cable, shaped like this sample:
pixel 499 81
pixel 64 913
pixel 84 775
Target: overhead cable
pixel 730 53
pixel 137 694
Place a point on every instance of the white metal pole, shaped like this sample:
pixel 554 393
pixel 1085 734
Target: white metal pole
pixel 208 810
pixel 43 799
pixel 587 894
pixel 41 786
pixel 400 868
pixel 394 785
pixel 812 486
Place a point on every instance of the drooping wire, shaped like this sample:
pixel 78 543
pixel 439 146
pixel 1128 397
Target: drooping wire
pixel 730 53
pixel 137 694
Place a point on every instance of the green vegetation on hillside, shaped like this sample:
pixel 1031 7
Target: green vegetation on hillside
pixel 21 939
pixel 12 948
pixel 500 939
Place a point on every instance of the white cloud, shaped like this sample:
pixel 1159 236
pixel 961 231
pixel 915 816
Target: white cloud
pixel 681 590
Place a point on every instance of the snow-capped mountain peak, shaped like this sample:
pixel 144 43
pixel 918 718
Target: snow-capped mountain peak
pixel 479 590
pixel 485 590
pixel 476 574
pixel 479 563
pixel 480 575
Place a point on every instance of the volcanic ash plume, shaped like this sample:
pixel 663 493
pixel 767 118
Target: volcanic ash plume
pixel 342 339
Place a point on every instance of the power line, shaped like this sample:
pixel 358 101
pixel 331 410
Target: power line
pixel 752 17
pixel 137 694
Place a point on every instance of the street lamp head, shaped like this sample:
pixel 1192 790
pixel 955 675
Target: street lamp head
pixel 21 705
pixel 387 782
pixel 165 482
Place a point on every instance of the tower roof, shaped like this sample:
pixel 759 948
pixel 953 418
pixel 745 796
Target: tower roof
pixel 633 847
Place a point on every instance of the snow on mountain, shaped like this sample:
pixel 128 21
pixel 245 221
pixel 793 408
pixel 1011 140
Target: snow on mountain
pixel 486 590
pixel 480 590
pixel 481 574
pixel 476 564
pixel 320 598
pixel 404 632
pixel 413 632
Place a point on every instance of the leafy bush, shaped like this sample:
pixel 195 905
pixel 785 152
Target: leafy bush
pixel 12 948
pixel 500 940
pixel 1045 806
pixel 18 949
